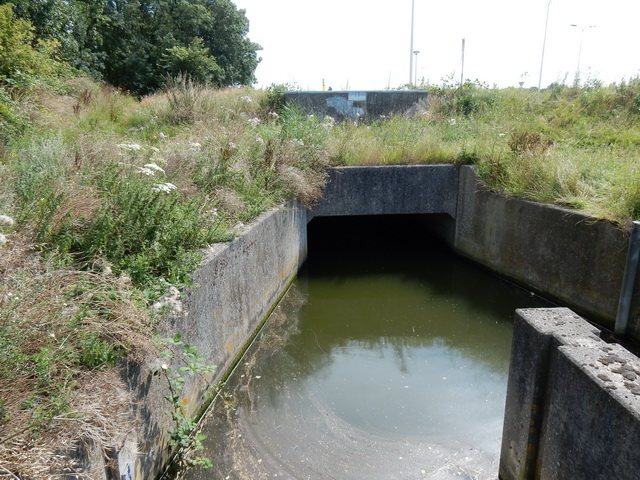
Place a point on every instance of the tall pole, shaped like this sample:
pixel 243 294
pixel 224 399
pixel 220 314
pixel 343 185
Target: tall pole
pixel 411 44
pixel 462 69
pixel 416 52
pixel 580 49
pixel 544 42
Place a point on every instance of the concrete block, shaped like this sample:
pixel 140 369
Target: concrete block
pixel 573 402
pixel 592 419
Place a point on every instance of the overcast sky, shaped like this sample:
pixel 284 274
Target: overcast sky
pixel 365 44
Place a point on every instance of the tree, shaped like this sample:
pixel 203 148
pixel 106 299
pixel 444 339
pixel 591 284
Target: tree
pixel 23 58
pixel 73 24
pixel 193 60
pixel 135 44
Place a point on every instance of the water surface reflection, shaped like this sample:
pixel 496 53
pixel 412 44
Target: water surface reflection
pixel 387 359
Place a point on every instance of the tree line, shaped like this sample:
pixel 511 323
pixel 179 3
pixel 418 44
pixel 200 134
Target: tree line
pixel 136 44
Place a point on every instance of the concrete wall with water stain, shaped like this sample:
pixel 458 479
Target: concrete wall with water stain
pixel 564 255
pixel 235 288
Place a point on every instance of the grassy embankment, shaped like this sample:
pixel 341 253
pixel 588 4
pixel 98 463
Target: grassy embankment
pixel 107 201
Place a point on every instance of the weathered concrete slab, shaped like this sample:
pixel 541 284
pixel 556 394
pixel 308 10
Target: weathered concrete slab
pixel 402 189
pixel 369 105
pixel 573 402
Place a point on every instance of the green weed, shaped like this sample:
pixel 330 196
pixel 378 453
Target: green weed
pixel 183 436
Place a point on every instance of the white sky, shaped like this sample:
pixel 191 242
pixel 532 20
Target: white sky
pixel 365 44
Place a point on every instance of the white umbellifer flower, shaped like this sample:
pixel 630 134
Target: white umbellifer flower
pixel 164 187
pixel 195 146
pixel 131 147
pixel 162 135
pixel 146 171
pixel 7 220
pixel 154 149
pixel 274 115
pixel 153 166
pixel 254 122
pixel 246 99
pixel 3 239
pixel 259 140
pixel 329 122
pixel 452 121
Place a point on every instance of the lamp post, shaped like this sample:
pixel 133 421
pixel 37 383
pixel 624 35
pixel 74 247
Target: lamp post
pixel 416 52
pixel 413 3
pixel 544 42
pixel 580 49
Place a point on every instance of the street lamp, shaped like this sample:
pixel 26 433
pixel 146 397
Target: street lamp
pixel 416 52
pixel 413 3
pixel 580 49
pixel 544 41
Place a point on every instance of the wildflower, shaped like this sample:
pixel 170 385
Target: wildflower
pixel 146 171
pixel 164 187
pixel 254 122
pixel 131 147
pixel 452 121
pixel 162 135
pixel 3 239
pixel 329 122
pixel 6 220
pixel 153 166
pixel 195 146
pixel 259 140
pixel 246 99
pixel 155 149
pixel 274 115
pixel 501 134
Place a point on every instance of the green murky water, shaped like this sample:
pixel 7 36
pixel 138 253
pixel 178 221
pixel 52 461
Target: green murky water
pixel 388 358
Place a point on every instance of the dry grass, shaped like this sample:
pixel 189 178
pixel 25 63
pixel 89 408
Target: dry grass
pixel 101 416
pixel 47 409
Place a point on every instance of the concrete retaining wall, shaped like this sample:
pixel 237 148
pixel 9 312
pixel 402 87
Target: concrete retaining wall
pixel 567 256
pixel 573 402
pixel 350 105
pixel 238 284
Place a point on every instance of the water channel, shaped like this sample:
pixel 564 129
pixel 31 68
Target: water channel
pixel 387 359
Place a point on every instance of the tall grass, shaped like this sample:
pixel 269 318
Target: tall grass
pixel 114 197
pixel 113 205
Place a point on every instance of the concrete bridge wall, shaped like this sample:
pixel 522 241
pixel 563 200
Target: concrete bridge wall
pixel 566 256
pixel 367 105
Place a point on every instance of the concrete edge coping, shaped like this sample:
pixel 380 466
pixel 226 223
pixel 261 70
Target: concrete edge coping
pixel 609 365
